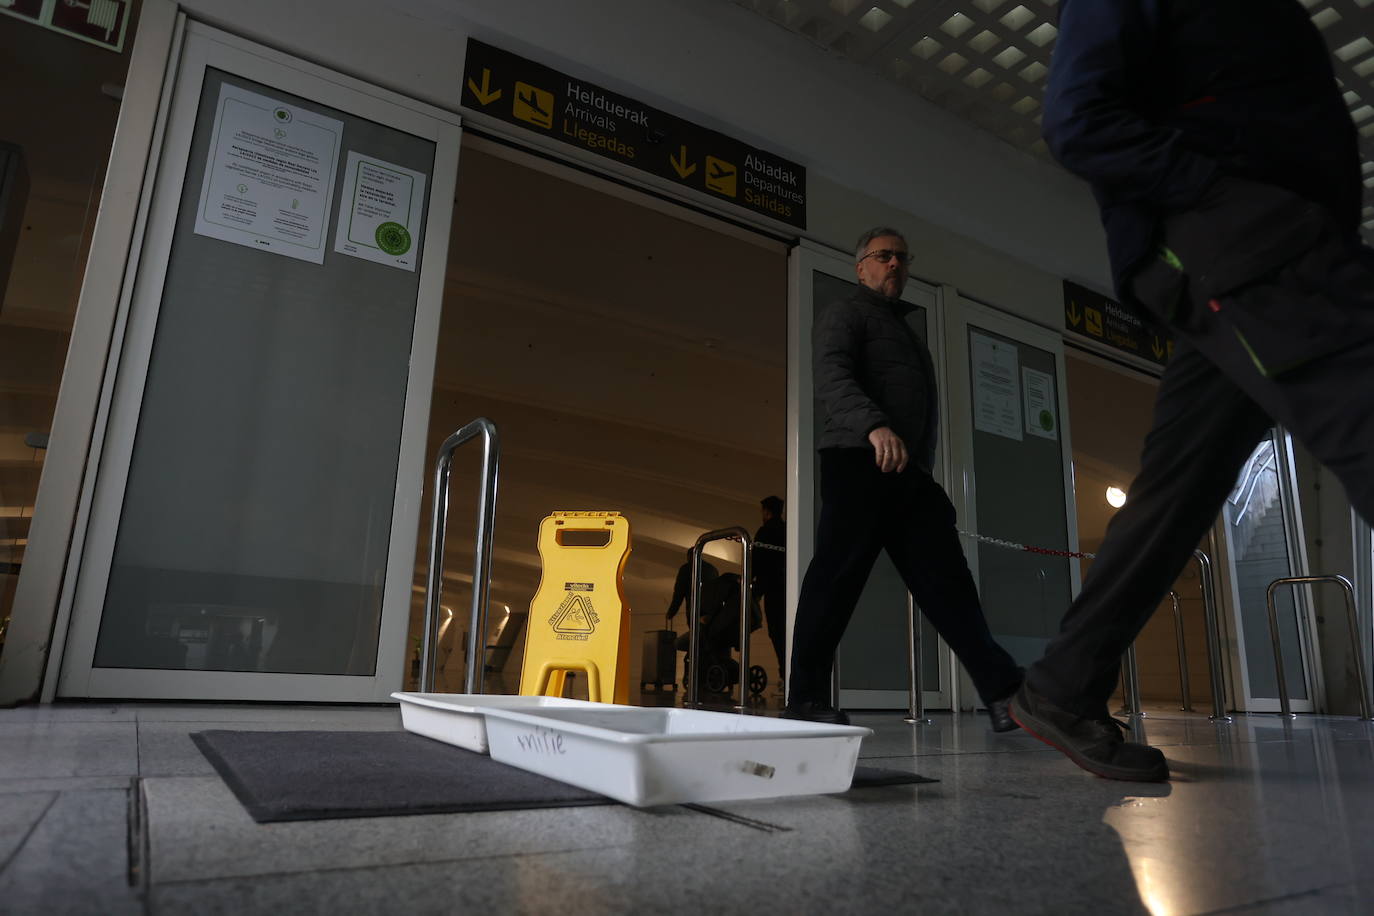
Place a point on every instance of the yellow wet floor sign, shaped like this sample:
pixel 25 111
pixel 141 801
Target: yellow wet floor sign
pixel 579 620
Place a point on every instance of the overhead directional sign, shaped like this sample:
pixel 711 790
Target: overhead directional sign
pixel 1106 321
pixel 584 115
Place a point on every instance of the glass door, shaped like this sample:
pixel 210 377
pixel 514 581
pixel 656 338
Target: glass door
pixel 873 657
pixel 253 523
pixel 1013 473
pixel 1260 525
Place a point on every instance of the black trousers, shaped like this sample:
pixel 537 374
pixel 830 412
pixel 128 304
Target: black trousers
pixel 773 596
pixel 1214 405
pixel 864 511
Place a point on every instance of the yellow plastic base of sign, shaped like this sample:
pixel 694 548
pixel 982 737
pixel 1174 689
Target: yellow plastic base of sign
pixel 579 619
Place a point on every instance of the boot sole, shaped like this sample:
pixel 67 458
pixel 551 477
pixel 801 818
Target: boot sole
pixel 1035 728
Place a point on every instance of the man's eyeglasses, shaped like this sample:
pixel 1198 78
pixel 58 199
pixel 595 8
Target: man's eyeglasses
pixel 883 255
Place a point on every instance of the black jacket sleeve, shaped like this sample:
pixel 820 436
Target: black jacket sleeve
pixel 835 347
pixel 1092 121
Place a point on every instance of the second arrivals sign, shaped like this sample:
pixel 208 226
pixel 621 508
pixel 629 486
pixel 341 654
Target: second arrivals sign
pixel 1106 321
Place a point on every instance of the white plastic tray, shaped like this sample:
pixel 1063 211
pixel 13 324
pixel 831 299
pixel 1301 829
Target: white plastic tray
pixel 457 718
pixel 661 756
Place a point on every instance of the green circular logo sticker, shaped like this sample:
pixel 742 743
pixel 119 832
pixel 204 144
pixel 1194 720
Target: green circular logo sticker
pixel 1046 420
pixel 393 238
pixel 282 115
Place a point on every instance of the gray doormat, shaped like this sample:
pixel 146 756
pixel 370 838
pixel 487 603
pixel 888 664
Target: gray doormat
pixel 309 776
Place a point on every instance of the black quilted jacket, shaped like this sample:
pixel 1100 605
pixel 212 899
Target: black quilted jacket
pixel 871 370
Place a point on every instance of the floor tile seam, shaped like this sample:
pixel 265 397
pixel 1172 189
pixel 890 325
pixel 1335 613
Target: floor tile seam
pixel 28 834
pixel 1200 744
pixel 117 781
pixel 409 863
pixel 1279 898
pixel 934 755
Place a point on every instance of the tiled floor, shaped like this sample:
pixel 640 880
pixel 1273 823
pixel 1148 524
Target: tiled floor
pixel 112 809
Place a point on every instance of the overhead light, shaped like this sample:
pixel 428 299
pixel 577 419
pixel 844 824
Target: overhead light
pixel 1116 497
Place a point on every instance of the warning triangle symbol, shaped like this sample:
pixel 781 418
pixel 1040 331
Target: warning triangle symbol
pixel 575 616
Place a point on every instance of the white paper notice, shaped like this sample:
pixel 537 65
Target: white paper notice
pixel 996 394
pixel 1041 416
pixel 269 180
pixel 383 204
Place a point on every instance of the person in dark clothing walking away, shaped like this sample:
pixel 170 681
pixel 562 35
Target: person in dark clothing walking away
pixel 876 381
pixel 1225 164
pixel 770 576
pixel 682 585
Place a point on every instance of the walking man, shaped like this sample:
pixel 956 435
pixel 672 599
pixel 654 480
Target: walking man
pixel 876 381
pixel 770 576
pixel 1226 167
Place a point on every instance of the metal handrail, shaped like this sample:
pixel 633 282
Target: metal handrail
pixel 1180 643
pixel 1213 632
pixel 481 576
pixel 835 679
pixel 916 712
pixel 1285 707
pixel 1130 674
pixel 1130 670
pixel 746 595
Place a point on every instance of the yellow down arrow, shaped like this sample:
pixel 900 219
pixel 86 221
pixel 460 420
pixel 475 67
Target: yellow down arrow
pixel 680 162
pixel 1073 314
pixel 486 95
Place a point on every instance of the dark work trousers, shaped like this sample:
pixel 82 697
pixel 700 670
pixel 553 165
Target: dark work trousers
pixel 1214 405
pixel 774 597
pixel 864 511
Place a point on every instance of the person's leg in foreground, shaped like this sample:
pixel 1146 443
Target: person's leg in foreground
pixel 1214 404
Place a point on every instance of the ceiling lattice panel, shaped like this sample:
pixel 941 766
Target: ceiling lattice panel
pixel 986 60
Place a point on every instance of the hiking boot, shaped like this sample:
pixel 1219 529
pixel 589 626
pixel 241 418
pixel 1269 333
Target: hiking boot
pixel 1095 745
pixel 810 711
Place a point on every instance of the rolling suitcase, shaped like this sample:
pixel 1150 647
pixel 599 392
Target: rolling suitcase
pixel 659 672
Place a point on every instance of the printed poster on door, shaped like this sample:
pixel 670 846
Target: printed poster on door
pixel 269 178
pixel 996 388
pixel 382 206
pixel 1038 398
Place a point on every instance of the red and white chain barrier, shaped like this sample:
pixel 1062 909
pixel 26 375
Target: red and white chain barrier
pixel 1012 545
pixel 996 542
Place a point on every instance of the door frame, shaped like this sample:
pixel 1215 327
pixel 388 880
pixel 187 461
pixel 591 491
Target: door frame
pixel 960 313
pixel 70 670
pixel 805 258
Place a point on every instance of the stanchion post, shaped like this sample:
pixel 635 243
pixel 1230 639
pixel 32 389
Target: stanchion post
pixel 746 615
pixel 916 714
pixel 693 698
pixel 694 613
pixel 1213 631
pixel 1285 706
pixel 1348 592
pixel 1180 642
pixel 1131 671
pixel 481 578
pixel 835 680
pixel 1361 675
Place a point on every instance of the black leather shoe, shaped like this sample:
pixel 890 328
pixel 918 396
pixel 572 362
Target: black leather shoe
pixel 999 715
pixel 816 712
pixel 1095 745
